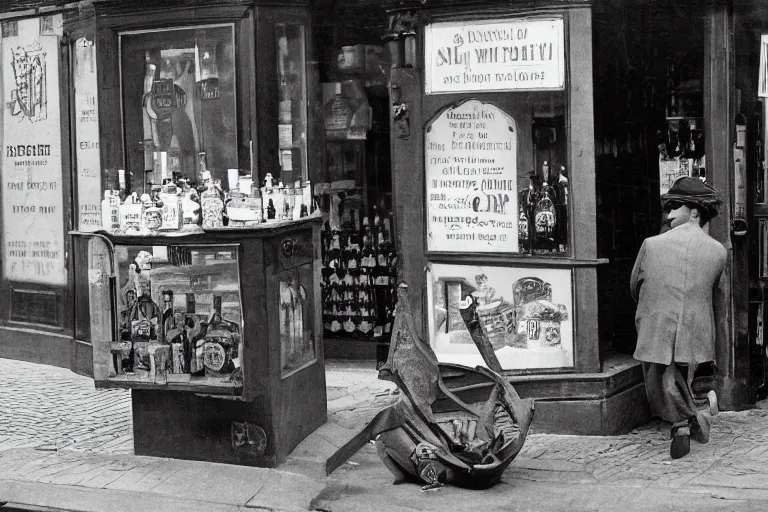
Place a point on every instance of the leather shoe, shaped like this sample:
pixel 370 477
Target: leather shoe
pixel 700 429
pixel 681 442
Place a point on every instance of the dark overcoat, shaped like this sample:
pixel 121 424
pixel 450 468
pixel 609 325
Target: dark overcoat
pixel 674 280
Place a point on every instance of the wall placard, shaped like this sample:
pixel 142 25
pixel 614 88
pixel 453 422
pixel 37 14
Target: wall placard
pixel 525 313
pixel 33 199
pixel 87 137
pixel 471 172
pixel 506 55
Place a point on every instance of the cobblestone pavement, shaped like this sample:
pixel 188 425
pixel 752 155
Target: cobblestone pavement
pixel 51 408
pixel 735 456
pixel 45 407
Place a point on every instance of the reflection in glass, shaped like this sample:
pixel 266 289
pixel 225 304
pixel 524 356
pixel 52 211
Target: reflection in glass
pixel 179 106
pixel 292 127
pixel 179 315
pixel 297 346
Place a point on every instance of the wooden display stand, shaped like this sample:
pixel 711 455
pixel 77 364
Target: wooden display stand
pixel 255 416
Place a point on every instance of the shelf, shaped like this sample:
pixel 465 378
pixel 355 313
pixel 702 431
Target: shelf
pixel 686 118
pixel 211 385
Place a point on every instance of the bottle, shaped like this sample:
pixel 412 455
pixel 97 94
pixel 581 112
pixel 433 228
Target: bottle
pixel 544 214
pixel 307 197
pixel 212 206
pixel 279 203
pixel 267 196
pixel 110 211
pixel 271 210
pixel 297 203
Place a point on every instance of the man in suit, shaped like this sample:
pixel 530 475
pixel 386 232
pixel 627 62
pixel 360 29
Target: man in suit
pixel 675 279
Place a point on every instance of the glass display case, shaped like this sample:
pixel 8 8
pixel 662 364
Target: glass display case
pixel 188 320
pixel 179 315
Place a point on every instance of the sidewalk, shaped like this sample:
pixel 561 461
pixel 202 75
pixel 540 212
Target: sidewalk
pixel 626 473
pixel 68 446
pixel 65 444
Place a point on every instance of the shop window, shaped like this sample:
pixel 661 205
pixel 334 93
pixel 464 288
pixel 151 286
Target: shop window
pixel 497 175
pixel 179 105
pixel 179 316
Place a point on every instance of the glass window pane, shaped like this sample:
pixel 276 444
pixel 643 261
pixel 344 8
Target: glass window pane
pixel 292 127
pixel 497 175
pixel 543 181
pixel 179 315
pixel 179 104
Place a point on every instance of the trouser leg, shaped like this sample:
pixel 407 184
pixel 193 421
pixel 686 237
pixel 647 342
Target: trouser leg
pixel 669 392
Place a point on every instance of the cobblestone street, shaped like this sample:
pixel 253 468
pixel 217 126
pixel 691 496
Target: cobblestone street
pixel 52 420
pixel 51 408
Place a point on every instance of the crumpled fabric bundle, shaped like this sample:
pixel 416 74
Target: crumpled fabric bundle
pixel 434 437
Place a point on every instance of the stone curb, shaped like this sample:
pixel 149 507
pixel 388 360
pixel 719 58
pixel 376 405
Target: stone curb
pixel 169 481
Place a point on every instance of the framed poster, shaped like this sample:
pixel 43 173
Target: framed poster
pixel 33 205
pixel 525 313
pixel 470 150
pixel 518 54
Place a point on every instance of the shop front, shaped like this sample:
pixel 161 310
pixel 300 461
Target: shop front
pixel 186 265
pixel 494 191
pixel 530 150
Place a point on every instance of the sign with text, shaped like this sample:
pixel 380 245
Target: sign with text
pixel 87 137
pixel 507 55
pixel 33 199
pixel 471 171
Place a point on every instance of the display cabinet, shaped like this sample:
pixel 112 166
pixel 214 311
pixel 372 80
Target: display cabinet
pixel 218 334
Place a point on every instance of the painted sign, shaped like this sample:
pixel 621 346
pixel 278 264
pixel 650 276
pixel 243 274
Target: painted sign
pixel 525 315
pixel 471 171
pixel 33 200
pixel 87 137
pixel 506 55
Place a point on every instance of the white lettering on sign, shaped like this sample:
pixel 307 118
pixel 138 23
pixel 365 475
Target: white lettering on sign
pixel 33 197
pixel 471 171
pixel 513 54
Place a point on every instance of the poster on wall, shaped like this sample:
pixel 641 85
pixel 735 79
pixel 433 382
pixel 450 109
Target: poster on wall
pixel 526 315
pixel 87 137
pixel 471 172
pixel 33 201
pixel 505 55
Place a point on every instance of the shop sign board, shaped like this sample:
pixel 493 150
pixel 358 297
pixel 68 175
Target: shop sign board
pixel 506 55
pixel 525 313
pixel 471 171
pixel 32 195
pixel 87 137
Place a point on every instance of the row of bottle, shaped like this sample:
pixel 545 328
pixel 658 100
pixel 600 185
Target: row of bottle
pixel 361 309
pixel 543 213
pixel 178 206
pixel 359 276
